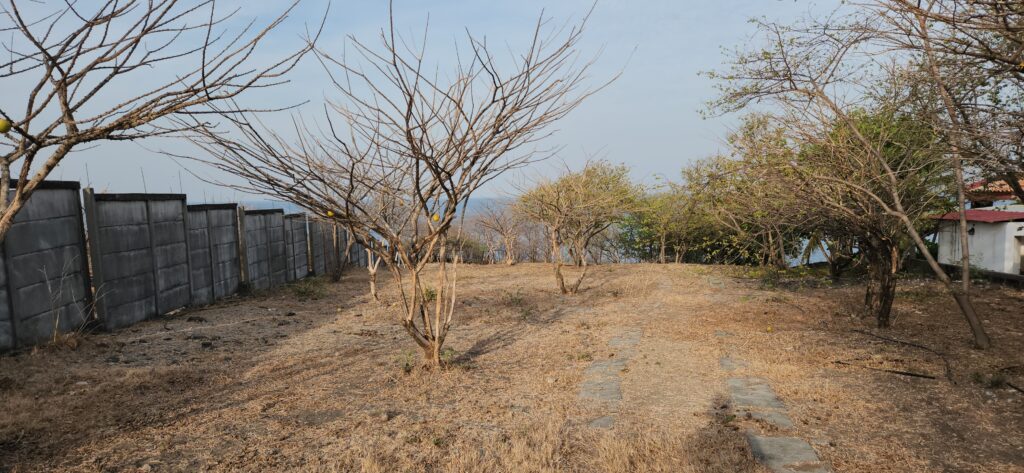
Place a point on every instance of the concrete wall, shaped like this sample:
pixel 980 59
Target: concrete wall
pixel 265 248
pixel 297 246
pixel 213 251
pixel 140 255
pixel 319 241
pixel 994 246
pixel 136 256
pixel 44 282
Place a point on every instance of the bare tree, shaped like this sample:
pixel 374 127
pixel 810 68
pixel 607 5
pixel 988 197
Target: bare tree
pixel 504 223
pixel 575 209
pixel 405 147
pixel 81 62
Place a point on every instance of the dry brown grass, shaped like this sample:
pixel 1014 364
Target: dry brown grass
pixel 321 381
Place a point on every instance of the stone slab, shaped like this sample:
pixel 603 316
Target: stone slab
pixel 608 390
pixel 603 422
pixel 753 392
pixel 786 454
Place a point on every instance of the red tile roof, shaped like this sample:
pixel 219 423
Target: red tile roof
pixel 985 216
pixel 991 190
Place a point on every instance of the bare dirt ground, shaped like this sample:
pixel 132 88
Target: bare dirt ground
pixel 318 377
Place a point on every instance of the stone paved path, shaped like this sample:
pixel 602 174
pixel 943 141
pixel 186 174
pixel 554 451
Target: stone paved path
pixel 602 381
pixel 754 398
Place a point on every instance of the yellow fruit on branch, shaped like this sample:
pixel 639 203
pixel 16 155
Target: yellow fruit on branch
pixel 330 213
pixel 5 125
pixel 436 217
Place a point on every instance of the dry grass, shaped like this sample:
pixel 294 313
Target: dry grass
pixel 321 378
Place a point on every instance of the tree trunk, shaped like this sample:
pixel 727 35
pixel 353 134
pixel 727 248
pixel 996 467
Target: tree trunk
pixel 371 267
pixel 432 355
pixel 883 264
pixel 661 254
pixel 510 252
pixel 556 263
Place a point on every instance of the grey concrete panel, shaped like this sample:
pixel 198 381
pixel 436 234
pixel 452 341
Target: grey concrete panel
pixel 143 250
pixel 116 213
pixel 295 233
pixel 319 233
pixel 278 251
pixel 128 237
pixel 200 257
pixel 43 234
pixel 44 269
pixel 6 323
pixel 49 204
pixel 125 264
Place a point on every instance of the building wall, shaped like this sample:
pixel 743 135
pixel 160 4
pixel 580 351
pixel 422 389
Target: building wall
pixel 994 246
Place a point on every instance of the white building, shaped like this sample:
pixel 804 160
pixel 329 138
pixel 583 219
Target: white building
pixel 995 239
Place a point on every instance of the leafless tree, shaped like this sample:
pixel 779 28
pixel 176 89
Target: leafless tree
pixel 504 223
pixel 405 146
pixel 81 63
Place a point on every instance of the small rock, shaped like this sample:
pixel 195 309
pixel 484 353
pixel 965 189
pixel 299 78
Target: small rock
pixel 195 318
pixel 82 383
pixel 290 314
pixel 207 344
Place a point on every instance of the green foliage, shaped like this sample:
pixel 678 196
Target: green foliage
pixel 429 294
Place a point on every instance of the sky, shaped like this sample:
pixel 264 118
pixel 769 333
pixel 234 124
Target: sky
pixel 649 119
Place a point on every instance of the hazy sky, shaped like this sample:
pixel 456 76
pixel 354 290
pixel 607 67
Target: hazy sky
pixel 649 119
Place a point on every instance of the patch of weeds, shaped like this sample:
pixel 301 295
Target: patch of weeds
pixel 777 298
pixel 448 355
pixel 996 381
pixel 615 293
pixel 309 288
pixel 513 298
pixel 770 278
pixel 584 356
pixel 429 294
pixel 407 361
pixel 245 289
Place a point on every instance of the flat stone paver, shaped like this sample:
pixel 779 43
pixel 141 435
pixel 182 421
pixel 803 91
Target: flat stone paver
pixel 776 418
pixel 729 364
pixel 602 380
pixel 603 422
pixel 753 392
pixel 786 454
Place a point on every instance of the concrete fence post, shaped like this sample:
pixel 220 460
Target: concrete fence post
pixel 188 251
pixel 243 256
pixel 213 257
pixel 310 257
pixel 95 258
pixel 152 255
